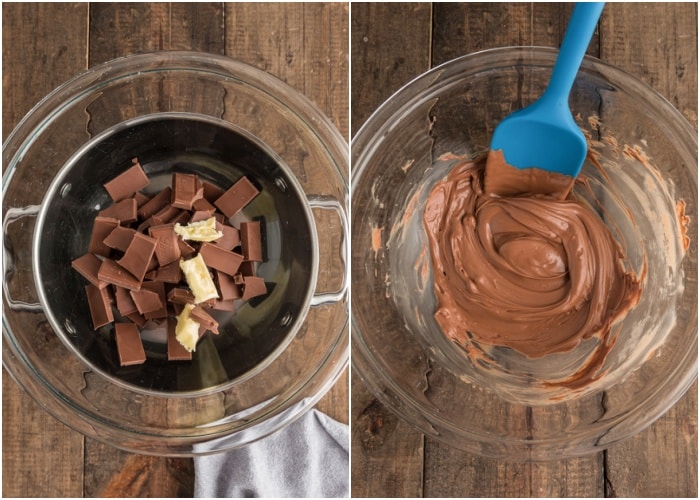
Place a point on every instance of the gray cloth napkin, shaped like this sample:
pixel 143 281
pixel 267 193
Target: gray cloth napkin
pixel 308 458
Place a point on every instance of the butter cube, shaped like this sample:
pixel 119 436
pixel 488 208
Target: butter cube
pixel 198 278
pixel 187 329
pixel 203 230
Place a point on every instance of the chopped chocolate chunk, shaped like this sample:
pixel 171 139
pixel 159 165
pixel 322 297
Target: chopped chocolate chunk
pixel 170 273
pixel 220 259
pixel 248 268
pixel 251 241
pixel 167 249
pixel 201 215
pixel 186 250
pixel 211 192
pixel 236 197
pixel 125 304
pixel 146 300
pixel 176 351
pixel 138 319
pixel 119 238
pixel 99 302
pixel 155 204
pixel 124 211
pixel 127 183
pixel 158 288
pixel 141 199
pixel 129 344
pixel 138 255
pixel 180 296
pixel 253 286
pixel 165 215
pixel 114 274
pixel 202 205
pixel 101 228
pixel 203 318
pixel 88 266
pixel 184 190
pixel 231 237
pixel 227 286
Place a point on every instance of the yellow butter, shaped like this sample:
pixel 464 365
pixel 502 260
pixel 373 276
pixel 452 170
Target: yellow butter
pixel 187 329
pixel 203 230
pixel 198 278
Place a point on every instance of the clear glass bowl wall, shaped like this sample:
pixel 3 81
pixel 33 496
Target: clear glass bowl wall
pixel 410 143
pixel 238 412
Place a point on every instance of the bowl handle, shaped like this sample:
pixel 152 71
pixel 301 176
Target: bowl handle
pixel 331 203
pixel 8 262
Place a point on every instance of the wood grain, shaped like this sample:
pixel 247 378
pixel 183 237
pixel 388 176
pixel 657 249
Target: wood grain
pixel 387 454
pixel 34 443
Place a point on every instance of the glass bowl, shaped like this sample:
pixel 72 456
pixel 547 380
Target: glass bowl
pixel 640 177
pixel 275 356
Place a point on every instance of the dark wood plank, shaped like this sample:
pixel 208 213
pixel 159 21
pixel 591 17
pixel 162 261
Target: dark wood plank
pixel 387 454
pixel 119 29
pixel 658 44
pixel 390 46
pixel 41 456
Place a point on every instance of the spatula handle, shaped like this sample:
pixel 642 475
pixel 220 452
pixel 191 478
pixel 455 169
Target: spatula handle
pixel 576 40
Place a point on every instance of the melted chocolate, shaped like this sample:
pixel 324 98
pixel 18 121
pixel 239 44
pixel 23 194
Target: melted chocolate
pixel 534 271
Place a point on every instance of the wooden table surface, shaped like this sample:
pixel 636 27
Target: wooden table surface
pixel 44 44
pixel 392 43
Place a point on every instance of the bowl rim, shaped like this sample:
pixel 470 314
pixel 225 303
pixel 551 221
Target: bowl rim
pixel 367 366
pixel 335 357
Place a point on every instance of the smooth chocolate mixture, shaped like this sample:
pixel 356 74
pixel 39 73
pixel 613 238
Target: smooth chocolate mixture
pixel 534 272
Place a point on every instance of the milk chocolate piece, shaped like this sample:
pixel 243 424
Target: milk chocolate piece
pixel 146 300
pixel 203 318
pixel 203 204
pixel 228 287
pixel 141 199
pixel 138 319
pixel 176 351
pixel 167 249
pixel 180 296
pixel 201 215
pixel 253 286
pixel 127 183
pixel 170 273
pixel 125 304
pixel 186 250
pixel 129 345
pixel 231 237
pixel 124 211
pixel 101 228
pixel 251 241
pixel 165 215
pixel 120 238
pixel 88 266
pixel 155 204
pixel 220 259
pixel 137 257
pixel 248 268
pixel 99 302
pixel 236 197
pixel 113 273
pixel 158 288
pixel 184 190
pixel 211 192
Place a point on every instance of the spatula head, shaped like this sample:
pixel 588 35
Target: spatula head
pixel 533 138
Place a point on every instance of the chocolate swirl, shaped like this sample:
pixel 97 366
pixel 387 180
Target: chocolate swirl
pixel 531 272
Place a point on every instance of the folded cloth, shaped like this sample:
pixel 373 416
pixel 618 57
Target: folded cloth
pixel 308 458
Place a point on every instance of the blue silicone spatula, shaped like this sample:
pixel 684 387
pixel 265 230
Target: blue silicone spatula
pixel 544 135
